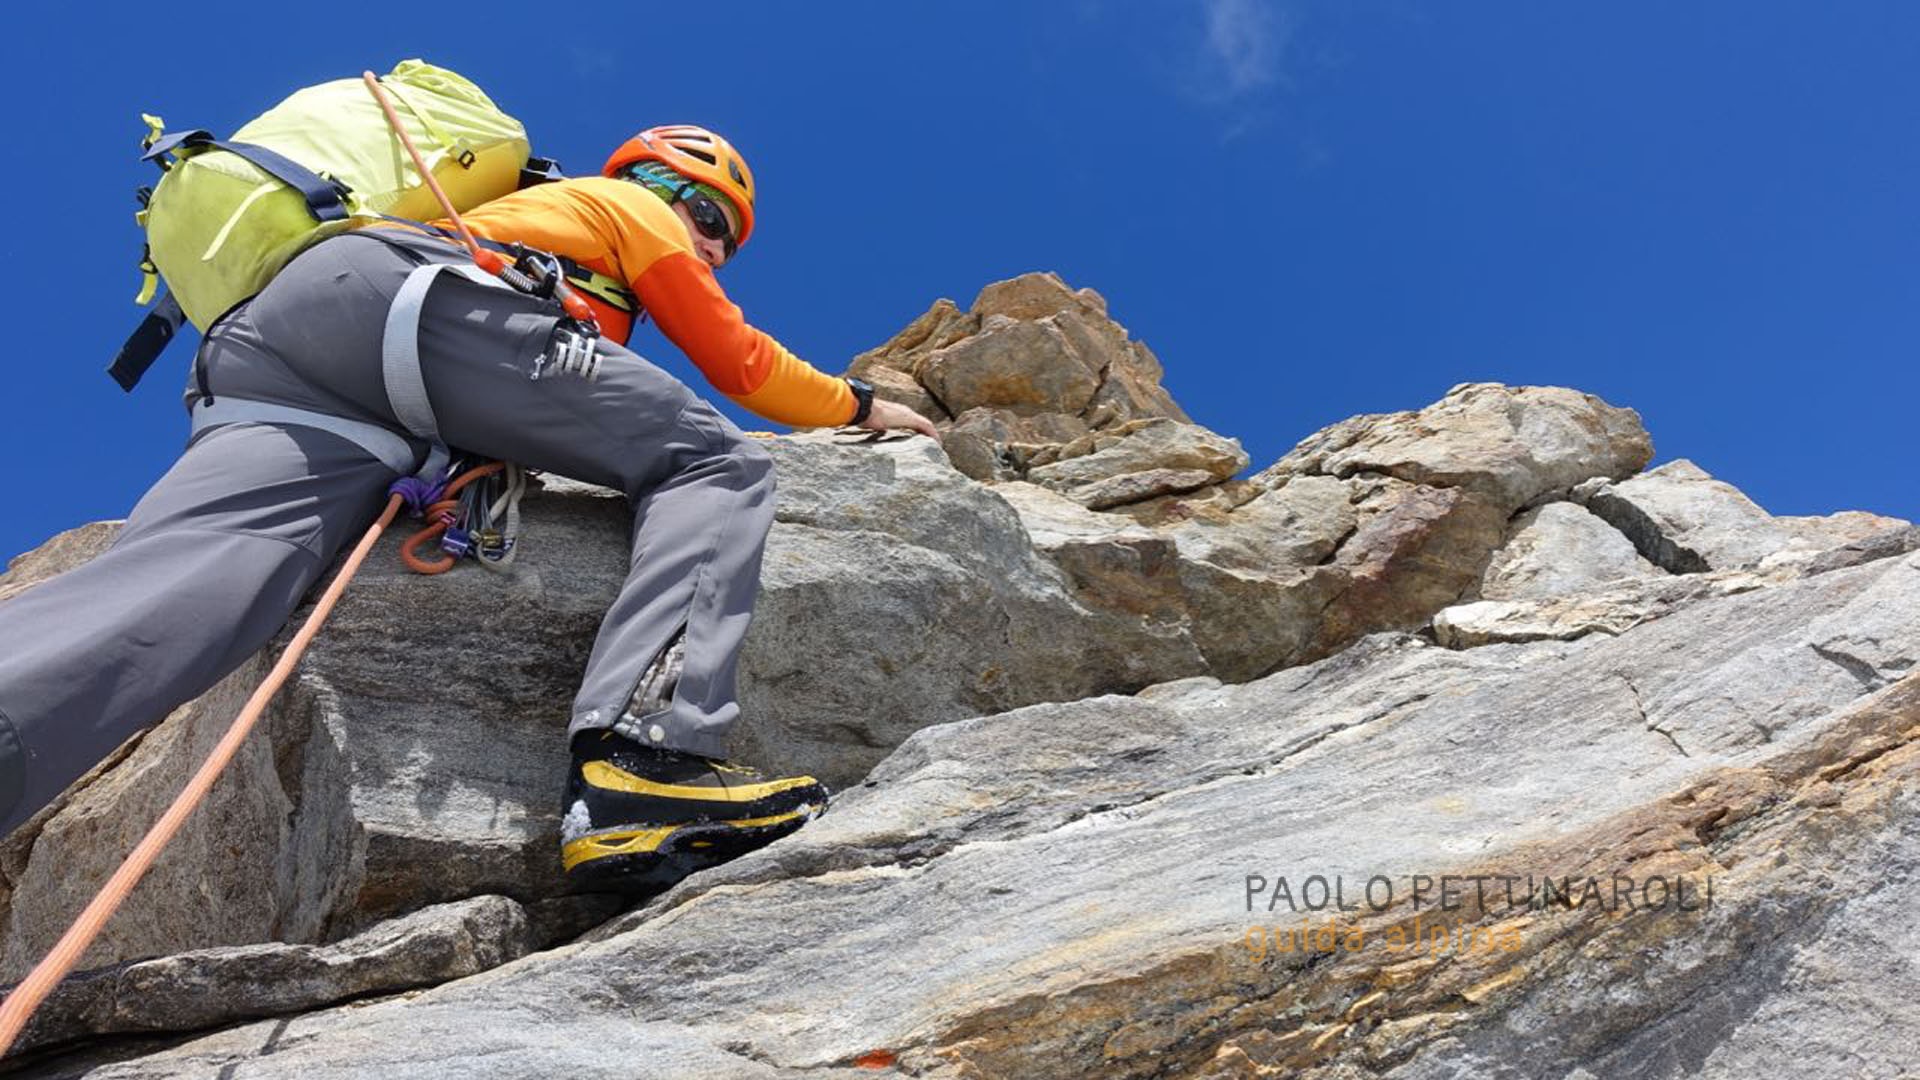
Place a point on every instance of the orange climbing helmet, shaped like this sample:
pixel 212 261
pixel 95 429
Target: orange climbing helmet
pixel 697 154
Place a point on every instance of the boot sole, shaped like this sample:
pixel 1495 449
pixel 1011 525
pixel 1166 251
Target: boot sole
pixel 687 849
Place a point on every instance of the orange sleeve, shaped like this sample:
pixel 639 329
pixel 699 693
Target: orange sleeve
pixel 620 229
pixel 745 364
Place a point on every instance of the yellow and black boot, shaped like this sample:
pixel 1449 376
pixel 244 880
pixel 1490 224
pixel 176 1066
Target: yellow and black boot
pixel 639 819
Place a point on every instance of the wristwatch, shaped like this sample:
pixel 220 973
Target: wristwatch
pixel 863 395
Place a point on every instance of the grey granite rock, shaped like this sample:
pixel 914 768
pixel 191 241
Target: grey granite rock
pixel 1301 524
pixel 205 988
pixel 1145 446
pixel 1685 521
pixel 1560 549
pixel 1510 445
pixel 61 553
pixel 1611 609
pixel 420 755
pixel 1029 873
pixel 1887 544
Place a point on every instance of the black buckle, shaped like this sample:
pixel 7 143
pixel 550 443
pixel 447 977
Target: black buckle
pixel 338 184
pixel 541 269
pixel 539 170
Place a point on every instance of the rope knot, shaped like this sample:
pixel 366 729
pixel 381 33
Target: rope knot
pixel 418 493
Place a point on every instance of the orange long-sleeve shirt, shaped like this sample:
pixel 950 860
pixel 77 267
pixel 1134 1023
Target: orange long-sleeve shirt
pixel 617 228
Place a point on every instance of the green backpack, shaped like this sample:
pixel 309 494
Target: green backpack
pixel 228 214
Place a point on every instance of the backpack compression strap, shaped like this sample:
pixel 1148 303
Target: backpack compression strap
pixel 145 344
pixel 326 199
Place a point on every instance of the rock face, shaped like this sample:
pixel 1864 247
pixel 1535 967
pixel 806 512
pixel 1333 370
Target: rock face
pixel 1561 549
pixel 366 797
pixel 897 593
pixel 1509 446
pixel 1610 610
pixel 1687 522
pixel 1091 703
pixel 213 986
pixel 58 555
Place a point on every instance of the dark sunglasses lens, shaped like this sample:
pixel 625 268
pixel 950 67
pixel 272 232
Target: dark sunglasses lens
pixel 711 220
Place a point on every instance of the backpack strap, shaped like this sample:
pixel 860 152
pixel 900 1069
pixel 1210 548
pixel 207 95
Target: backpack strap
pixel 326 201
pixel 144 345
pixel 326 198
pixel 539 170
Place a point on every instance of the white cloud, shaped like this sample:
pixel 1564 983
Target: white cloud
pixel 1243 46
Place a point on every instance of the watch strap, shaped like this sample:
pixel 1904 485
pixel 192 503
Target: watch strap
pixel 863 398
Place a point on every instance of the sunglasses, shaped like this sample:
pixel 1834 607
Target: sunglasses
pixel 708 218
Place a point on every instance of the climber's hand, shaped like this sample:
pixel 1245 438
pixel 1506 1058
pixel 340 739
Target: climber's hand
pixel 891 414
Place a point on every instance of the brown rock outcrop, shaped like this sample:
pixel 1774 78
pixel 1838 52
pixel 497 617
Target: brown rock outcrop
pixel 1029 374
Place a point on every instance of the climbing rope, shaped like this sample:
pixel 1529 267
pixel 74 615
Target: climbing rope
pixel 33 990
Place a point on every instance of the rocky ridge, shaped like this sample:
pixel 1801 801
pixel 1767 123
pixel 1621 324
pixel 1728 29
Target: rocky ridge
pixel 1081 683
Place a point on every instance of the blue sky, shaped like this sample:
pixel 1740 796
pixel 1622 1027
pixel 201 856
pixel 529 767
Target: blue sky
pixel 1707 211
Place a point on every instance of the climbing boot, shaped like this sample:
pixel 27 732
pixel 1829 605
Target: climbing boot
pixel 638 819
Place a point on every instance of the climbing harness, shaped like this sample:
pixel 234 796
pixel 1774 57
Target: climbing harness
pixel 492 262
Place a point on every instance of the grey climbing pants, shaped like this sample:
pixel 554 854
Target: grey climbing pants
pixel 219 553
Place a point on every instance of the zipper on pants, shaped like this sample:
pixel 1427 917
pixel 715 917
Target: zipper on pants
pixel 659 681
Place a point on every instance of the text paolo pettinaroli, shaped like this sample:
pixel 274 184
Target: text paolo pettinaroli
pixel 1500 896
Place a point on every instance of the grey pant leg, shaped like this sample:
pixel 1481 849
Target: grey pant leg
pixel 702 492
pixel 209 566
pixel 702 495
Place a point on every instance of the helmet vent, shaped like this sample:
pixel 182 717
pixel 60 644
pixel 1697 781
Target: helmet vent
pixel 701 154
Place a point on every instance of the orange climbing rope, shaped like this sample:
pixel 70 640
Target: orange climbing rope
pixel 73 944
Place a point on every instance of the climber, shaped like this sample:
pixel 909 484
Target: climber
pixel 296 440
